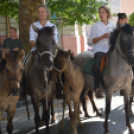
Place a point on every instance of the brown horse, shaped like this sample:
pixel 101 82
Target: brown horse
pixel 72 88
pixel 36 81
pixel 11 70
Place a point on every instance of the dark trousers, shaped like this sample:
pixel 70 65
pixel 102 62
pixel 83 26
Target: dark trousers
pixel 97 73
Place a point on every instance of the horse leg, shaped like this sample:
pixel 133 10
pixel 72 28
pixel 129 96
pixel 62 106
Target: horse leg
pixel 53 120
pixel 84 105
pixel 78 116
pixel 127 93
pixel 131 100
pixel 107 111
pixel 35 102
pixel 95 109
pixel 46 116
pixel 0 124
pixel 10 115
pixel 62 122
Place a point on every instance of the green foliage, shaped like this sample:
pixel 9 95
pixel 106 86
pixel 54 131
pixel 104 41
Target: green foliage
pixel 131 19
pixel 9 8
pixel 75 11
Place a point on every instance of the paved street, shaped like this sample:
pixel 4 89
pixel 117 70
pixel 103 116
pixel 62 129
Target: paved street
pixel 94 125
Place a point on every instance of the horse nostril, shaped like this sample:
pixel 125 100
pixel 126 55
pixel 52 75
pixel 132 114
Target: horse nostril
pixel 15 91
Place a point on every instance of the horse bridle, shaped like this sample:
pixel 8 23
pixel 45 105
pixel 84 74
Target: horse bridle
pixel 12 79
pixel 43 53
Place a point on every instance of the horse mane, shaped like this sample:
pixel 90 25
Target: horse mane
pixel 61 52
pixel 126 28
pixel 13 55
pixel 47 30
pixel 113 38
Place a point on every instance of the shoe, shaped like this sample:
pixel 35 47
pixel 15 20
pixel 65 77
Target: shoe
pixel 98 93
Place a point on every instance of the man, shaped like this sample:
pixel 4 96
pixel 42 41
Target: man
pixel 12 43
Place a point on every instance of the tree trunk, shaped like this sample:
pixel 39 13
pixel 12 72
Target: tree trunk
pixel 27 15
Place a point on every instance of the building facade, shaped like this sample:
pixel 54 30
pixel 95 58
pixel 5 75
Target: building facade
pixel 74 37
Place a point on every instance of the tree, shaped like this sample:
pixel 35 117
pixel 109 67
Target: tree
pixel 9 8
pixel 131 19
pixel 75 11
pixel 27 15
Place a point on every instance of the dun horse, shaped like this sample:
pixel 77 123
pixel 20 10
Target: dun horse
pixel 119 74
pixel 11 70
pixel 36 80
pixel 72 88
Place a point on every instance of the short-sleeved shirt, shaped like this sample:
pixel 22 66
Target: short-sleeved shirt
pixel 97 30
pixel 12 43
pixel 33 34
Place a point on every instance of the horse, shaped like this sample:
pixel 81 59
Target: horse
pixel 119 73
pixel 71 89
pixel 11 70
pixel 36 81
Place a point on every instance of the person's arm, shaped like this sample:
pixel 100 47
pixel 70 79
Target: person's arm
pixel 56 35
pixel 95 40
pixel 93 35
pixel 33 36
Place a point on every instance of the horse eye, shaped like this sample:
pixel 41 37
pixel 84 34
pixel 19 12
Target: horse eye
pixel 60 63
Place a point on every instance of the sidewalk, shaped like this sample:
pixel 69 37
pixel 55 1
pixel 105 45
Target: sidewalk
pixel 93 125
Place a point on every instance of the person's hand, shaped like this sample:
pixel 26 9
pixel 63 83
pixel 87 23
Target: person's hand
pixel 106 35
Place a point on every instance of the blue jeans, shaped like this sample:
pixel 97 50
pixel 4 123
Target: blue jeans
pixel 97 73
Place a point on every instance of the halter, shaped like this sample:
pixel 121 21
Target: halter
pixel 68 68
pixel 46 71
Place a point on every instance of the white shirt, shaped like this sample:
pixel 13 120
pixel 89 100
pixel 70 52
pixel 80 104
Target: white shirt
pixel 97 30
pixel 33 34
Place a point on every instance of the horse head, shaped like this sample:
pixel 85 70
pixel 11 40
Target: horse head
pixel 14 69
pixel 46 46
pixel 62 60
pixel 124 43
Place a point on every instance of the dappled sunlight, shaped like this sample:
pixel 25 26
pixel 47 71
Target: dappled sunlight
pixel 92 125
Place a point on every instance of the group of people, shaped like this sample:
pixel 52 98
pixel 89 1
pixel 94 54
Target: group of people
pixel 100 32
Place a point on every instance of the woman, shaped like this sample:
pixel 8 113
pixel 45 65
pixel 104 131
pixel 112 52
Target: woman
pixel 44 16
pixel 122 19
pixel 99 35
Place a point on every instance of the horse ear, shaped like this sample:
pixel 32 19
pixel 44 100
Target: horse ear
pixel 67 54
pixel 21 54
pixel 36 29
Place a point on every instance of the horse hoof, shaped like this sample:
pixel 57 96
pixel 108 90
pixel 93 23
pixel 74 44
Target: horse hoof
pixel 53 121
pixel 131 131
pixel 47 132
pixel 42 123
pixel 131 112
pixel 99 114
pixel 106 133
pixel 80 112
pixel 87 116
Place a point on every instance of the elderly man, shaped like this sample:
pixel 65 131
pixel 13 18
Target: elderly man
pixel 13 43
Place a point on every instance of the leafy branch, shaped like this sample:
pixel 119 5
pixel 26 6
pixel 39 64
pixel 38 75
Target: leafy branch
pixel 9 8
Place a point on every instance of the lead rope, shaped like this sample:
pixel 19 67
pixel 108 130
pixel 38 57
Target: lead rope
pixel 46 79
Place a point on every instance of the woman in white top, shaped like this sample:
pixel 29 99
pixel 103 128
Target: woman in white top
pixel 99 35
pixel 44 16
